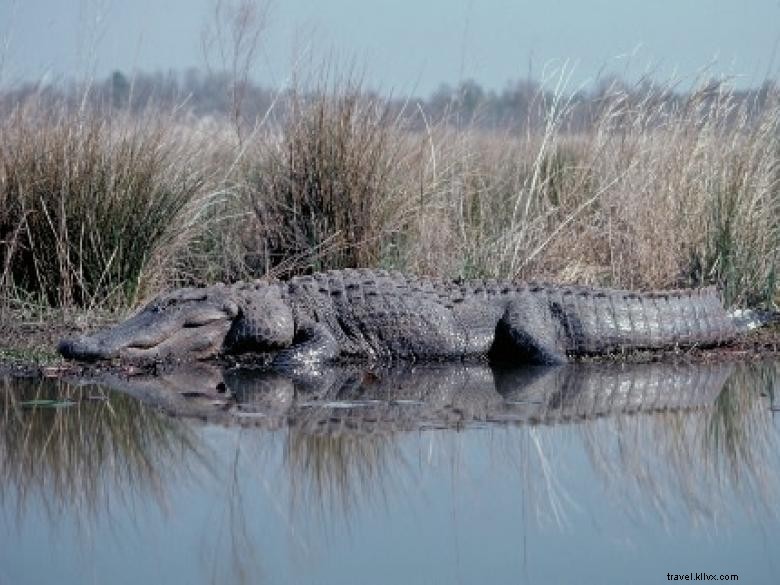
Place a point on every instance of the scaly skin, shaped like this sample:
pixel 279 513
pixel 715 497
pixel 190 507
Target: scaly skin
pixel 380 316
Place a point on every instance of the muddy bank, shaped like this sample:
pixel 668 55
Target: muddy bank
pixel 28 348
pixel 28 343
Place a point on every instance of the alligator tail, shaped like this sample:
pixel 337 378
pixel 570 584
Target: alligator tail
pixel 598 321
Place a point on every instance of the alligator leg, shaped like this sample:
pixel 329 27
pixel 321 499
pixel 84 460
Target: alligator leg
pixel 313 344
pixel 529 332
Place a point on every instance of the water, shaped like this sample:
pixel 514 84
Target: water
pixel 462 474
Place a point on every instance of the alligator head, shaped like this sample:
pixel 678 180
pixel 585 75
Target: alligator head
pixel 193 323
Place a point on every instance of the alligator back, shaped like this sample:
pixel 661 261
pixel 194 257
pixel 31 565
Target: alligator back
pixel 390 315
pixel 397 314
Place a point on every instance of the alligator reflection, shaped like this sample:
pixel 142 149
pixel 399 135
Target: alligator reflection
pixel 338 441
pixel 345 399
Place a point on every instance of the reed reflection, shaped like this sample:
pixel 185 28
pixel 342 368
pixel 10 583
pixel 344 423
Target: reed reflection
pixel 65 447
pixel 718 460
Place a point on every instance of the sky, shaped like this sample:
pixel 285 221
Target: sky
pixel 405 46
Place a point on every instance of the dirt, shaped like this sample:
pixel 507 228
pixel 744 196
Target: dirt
pixel 28 342
pixel 28 348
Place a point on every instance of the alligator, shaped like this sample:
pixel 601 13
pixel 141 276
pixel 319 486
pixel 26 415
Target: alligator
pixel 379 316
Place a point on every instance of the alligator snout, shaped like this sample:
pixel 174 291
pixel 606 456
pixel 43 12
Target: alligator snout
pixel 86 349
pixel 190 323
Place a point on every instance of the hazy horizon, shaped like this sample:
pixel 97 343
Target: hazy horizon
pixel 401 46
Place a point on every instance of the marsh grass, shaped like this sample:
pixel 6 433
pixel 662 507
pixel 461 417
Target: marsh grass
pixel 655 194
pixel 94 205
pixel 326 184
pixel 657 189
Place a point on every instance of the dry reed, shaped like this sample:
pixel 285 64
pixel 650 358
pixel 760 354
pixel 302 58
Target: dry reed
pixel 104 208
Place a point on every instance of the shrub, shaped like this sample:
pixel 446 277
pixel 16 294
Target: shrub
pixel 326 183
pixel 94 205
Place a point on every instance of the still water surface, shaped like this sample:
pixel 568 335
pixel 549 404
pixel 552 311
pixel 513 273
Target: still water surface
pixel 460 474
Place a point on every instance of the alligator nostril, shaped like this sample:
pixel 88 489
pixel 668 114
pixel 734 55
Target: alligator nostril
pixel 65 348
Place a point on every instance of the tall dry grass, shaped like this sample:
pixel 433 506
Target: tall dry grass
pixel 95 205
pixel 654 194
pixel 656 191
pixel 328 182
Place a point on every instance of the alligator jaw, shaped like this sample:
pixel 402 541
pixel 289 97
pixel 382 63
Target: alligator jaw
pixel 196 331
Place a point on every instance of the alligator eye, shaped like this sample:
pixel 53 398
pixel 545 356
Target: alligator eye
pixel 230 308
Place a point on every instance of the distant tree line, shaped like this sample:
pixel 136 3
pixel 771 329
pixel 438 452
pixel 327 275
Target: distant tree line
pixel 522 105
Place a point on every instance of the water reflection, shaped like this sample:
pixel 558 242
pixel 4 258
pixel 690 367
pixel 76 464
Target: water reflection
pixel 64 445
pixel 345 399
pixel 698 465
pixel 312 457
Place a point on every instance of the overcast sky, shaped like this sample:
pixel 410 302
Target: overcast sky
pixel 404 46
